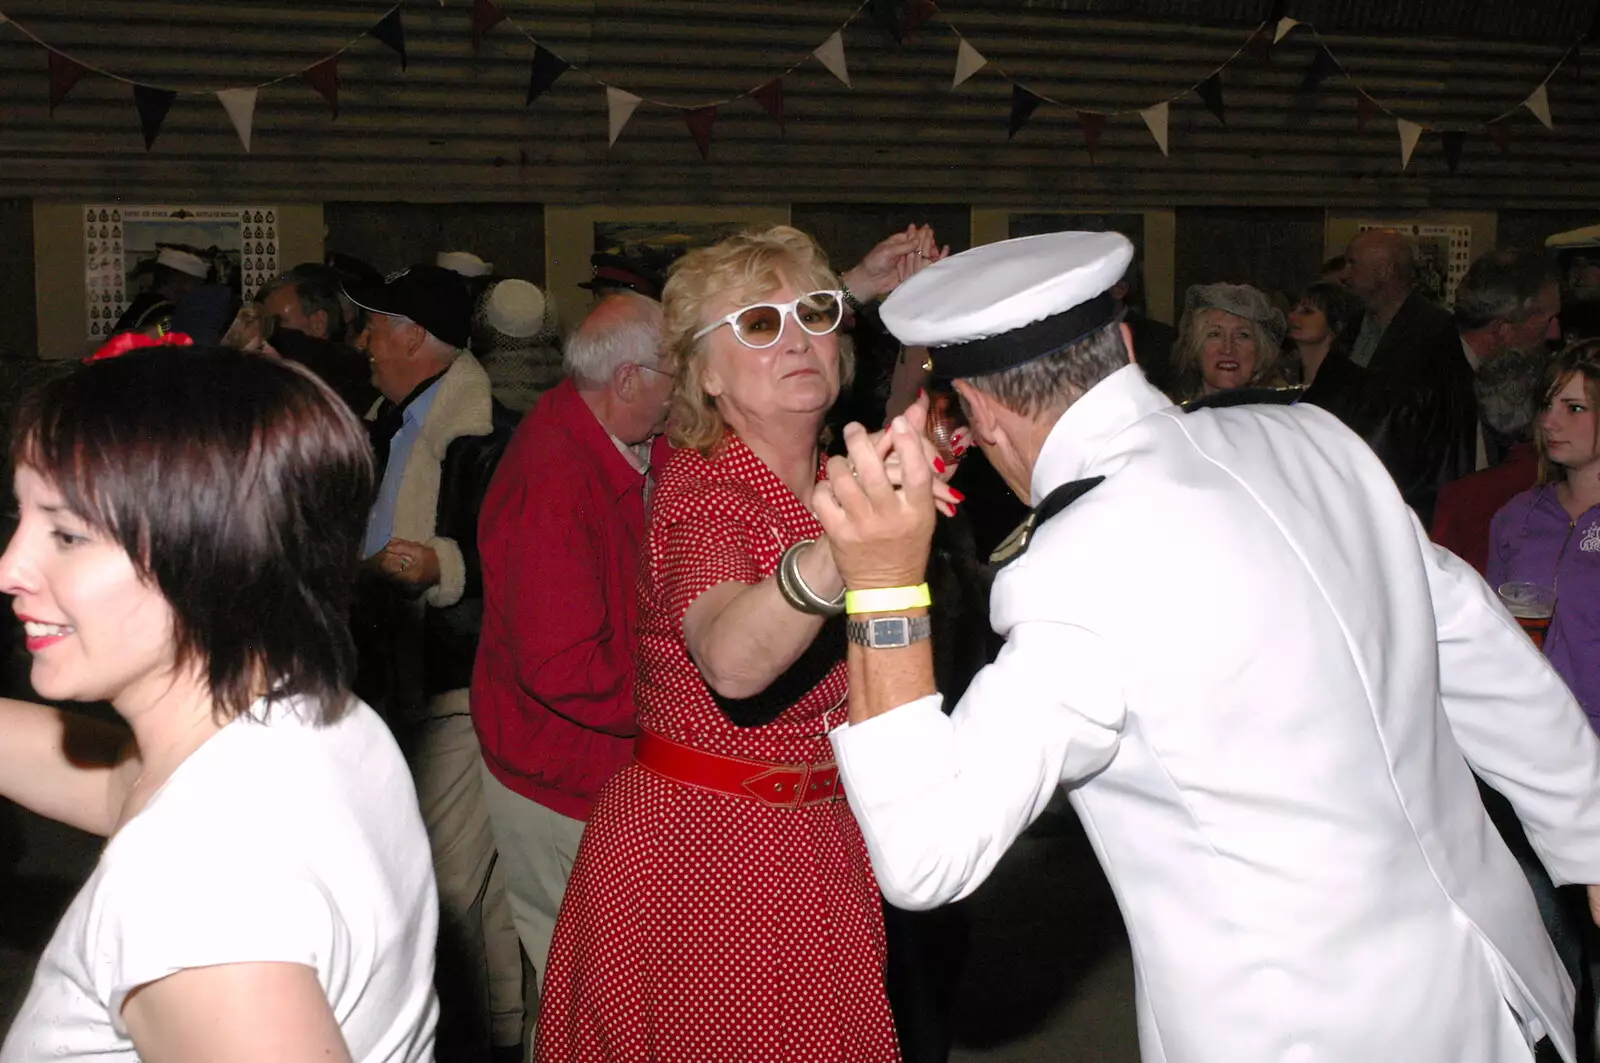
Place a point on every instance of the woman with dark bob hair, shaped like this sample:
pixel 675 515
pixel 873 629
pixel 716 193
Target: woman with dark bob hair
pixel 189 526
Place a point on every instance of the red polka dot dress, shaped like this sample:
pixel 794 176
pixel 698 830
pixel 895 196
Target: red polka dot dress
pixel 699 927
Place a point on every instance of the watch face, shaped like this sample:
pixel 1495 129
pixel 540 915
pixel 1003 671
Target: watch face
pixel 890 631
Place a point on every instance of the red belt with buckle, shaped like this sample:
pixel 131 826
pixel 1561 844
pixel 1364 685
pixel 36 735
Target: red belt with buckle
pixel 778 785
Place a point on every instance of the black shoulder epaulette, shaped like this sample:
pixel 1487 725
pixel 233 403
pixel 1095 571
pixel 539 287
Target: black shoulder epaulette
pixel 1016 543
pixel 1245 397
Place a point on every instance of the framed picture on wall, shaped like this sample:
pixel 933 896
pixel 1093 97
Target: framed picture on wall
pixel 236 247
pixel 654 237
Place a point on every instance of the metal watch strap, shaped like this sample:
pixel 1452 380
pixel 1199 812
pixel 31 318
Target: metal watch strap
pixel 888 632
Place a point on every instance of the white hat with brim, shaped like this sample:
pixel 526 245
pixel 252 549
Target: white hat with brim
pixel 1003 304
pixel 465 263
pixel 183 262
pixel 515 308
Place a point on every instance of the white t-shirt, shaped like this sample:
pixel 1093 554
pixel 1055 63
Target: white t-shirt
pixel 274 841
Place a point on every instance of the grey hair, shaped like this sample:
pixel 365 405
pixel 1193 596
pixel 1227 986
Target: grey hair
pixel 1057 380
pixel 598 347
pixel 1510 389
pixel 1502 286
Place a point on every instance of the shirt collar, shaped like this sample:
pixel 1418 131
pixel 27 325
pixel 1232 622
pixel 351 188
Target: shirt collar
pixel 1089 424
pixel 638 455
pixel 418 403
pixel 1472 356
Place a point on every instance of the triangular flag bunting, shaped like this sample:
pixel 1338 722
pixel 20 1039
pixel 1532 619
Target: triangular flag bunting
pixel 390 32
pixel 1539 104
pixel 1454 141
pixel 324 77
pixel 547 66
pixel 1499 131
pixel 64 73
pixel 1410 133
pixel 152 105
pixel 1023 104
pixel 968 62
pixel 1093 123
pixel 1259 46
pixel 699 122
pixel 770 97
pixel 241 107
pixel 831 54
pixel 915 14
pixel 485 17
pixel 1323 66
pixel 1155 118
pixel 1210 90
pixel 1366 109
pixel 1285 26
pixel 620 106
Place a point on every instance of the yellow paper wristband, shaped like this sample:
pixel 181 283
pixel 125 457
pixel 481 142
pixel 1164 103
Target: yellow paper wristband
pixel 887 599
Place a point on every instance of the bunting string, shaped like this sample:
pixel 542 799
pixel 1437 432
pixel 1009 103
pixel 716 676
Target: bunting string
pixel 114 76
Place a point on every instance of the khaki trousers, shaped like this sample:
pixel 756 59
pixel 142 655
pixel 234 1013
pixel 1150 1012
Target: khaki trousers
pixel 479 975
pixel 537 849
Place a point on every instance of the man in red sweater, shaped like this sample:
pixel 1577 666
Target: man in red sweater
pixel 559 535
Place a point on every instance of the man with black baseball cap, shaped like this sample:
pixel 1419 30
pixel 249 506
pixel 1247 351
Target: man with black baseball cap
pixel 438 434
pixel 1229 639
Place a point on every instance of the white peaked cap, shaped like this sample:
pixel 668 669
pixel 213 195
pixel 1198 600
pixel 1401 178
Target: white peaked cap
pixel 515 308
pixel 183 262
pixel 464 262
pixel 1003 304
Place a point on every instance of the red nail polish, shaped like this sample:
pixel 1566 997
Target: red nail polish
pixel 957 495
pixel 922 393
pixel 938 465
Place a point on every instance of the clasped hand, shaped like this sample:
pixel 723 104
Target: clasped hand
pixel 880 527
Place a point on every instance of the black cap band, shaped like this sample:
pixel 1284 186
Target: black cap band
pixel 994 354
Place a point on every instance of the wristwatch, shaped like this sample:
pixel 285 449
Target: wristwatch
pixel 888 632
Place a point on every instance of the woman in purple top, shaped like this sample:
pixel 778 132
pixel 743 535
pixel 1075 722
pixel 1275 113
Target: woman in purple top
pixel 1549 535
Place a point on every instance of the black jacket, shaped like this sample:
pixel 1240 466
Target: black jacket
pixel 1421 414
pixel 1340 387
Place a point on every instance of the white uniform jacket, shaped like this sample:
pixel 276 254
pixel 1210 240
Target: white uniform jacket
pixel 1264 687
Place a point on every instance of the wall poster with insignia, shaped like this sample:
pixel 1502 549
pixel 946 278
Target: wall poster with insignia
pixel 121 244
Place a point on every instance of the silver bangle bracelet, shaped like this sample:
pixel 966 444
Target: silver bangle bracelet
pixel 793 586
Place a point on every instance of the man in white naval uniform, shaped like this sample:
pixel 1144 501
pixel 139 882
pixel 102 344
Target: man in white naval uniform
pixel 1263 687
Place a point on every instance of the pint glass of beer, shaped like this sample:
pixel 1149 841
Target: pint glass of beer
pixel 1532 605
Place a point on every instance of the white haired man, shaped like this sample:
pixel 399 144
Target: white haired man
pixel 1294 834
pixel 559 535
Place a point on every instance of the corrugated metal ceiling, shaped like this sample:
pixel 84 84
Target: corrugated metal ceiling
pixel 453 126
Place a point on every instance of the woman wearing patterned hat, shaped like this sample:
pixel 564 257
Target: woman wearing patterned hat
pixel 1228 339
pixel 721 906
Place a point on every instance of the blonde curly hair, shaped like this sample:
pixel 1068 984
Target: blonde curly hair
pixel 748 265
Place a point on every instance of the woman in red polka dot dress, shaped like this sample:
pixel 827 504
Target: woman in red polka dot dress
pixel 722 907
